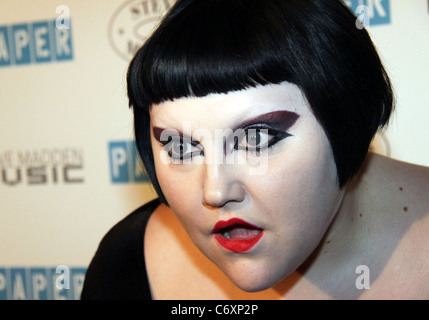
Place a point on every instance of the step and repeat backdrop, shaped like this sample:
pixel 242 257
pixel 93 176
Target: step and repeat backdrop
pixel 68 163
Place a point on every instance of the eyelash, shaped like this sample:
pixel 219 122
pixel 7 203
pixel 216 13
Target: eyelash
pixel 276 137
pixel 172 142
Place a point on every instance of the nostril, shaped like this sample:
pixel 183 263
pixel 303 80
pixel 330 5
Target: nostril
pixel 221 185
pixel 214 199
pixel 218 198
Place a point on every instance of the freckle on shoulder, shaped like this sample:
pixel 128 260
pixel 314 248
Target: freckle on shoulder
pixel 403 187
pixel 401 176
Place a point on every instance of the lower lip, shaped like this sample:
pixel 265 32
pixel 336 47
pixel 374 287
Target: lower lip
pixel 238 245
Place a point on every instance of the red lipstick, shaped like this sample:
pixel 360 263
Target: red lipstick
pixel 237 235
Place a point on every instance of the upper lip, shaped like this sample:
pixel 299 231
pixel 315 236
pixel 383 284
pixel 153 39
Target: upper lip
pixel 221 225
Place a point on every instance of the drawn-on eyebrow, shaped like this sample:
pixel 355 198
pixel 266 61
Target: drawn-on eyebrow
pixel 279 120
pixel 162 134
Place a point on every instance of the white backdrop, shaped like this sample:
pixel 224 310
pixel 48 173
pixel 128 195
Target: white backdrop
pixel 67 172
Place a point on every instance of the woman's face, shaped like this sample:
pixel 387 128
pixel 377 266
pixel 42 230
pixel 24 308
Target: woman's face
pixel 250 175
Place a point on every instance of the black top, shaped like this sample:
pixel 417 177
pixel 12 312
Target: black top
pixel 118 269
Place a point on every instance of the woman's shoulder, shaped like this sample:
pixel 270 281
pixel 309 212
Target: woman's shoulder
pixel 169 255
pixel 165 246
pixel 117 269
pixel 397 183
pixel 399 192
pixel 397 196
pixel 134 220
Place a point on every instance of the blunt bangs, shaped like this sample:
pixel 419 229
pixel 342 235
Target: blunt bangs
pixel 217 46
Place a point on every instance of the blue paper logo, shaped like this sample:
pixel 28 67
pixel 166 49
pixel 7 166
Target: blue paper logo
pixel 36 42
pixel 124 164
pixel 41 283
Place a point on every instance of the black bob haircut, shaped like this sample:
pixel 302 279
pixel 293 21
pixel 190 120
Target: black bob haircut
pixel 217 46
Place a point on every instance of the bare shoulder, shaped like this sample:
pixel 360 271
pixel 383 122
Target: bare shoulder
pixel 400 195
pixel 176 268
pixel 164 251
pixel 399 192
pixel 399 182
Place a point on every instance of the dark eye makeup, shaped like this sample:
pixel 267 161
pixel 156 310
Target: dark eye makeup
pixel 258 137
pixel 181 148
pixel 255 135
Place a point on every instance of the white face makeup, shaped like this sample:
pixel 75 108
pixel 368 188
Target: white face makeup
pixel 283 211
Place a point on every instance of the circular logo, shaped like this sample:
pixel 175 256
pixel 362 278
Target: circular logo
pixel 133 22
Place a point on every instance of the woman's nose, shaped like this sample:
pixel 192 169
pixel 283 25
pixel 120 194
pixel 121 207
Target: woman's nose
pixel 221 185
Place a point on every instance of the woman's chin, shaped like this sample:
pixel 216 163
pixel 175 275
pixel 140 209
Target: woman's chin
pixel 254 281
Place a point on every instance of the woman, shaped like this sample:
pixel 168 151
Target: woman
pixel 253 120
